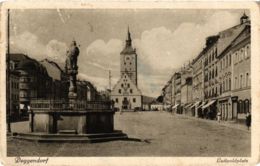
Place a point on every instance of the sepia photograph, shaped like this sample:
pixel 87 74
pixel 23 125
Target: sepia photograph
pixel 134 82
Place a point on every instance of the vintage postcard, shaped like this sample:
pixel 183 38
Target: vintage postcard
pixel 130 83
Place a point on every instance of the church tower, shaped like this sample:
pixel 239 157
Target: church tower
pixel 125 94
pixel 128 58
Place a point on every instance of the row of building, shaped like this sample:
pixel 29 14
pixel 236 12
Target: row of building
pixel 29 79
pixel 218 80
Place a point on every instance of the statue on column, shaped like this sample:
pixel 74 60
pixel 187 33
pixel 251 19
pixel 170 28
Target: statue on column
pixel 72 68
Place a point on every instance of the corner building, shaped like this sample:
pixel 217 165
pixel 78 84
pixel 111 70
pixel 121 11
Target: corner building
pixel 234 78
pixel 125 93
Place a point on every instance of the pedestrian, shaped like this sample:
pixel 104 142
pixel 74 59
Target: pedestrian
pixel 219 116
pixel 248 120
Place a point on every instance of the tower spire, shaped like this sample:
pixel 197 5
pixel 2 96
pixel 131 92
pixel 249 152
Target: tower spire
pixel 128 40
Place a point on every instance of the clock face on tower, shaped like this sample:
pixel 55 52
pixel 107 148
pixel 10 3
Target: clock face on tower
pixel 127 58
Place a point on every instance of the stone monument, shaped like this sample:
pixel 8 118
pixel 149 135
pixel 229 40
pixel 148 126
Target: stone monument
pixel 72 71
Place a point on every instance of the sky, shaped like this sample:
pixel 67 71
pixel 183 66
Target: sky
pixel 165 39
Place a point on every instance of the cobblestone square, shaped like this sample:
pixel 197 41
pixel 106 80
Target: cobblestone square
pixel 150 134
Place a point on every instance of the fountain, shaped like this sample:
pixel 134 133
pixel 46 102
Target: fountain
pixel 72 119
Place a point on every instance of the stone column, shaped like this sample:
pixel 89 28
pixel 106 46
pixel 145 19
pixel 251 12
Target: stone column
pixel 72 71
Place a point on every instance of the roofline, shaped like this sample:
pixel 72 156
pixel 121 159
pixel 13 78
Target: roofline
pixel 230 45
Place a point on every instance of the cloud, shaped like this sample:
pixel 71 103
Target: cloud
pixel 160 50
pixel 104 55
pixel 28 43
pixel 163 48
pixel 56 50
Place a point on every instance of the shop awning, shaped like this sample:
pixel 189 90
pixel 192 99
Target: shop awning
pixel 168 106
pixel 195 104
pixel 209 104
pixel 188 105
pixel 202 104
pixel 175 106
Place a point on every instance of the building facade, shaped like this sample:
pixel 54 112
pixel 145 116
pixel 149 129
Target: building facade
pixel 167 95
pixel 234 64
pixel 41 80
pixel 125 94
pixel 186 90
pixel 209 109
pixel 197 83
pixel 241 92
pixel 220 76
pixel 177 92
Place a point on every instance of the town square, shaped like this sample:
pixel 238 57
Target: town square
pixel 112 83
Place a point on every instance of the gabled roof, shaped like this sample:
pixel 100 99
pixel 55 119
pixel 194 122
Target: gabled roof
pixel 238 39
pixel 31 65
pixel 227 36
pixel 128 78
pixel 53 69
pixel 18 57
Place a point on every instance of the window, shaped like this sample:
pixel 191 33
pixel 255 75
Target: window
pixel 241 54
pixel 226 61
pixel 236 83
pixel 216 70
pixel 116 100
pixel 223 86
pixel 247 79
pixel 246 106
pixel 131 90
pixel 229 59
pixel 122 85
pixel 226 84
pixel 248 50
pixel 229 83
pixel 240 107
pixel 134 100
pixel 213 73
pixel 241 81
pixel 236 58
pixel 216 91
pixel 128 85
pixel 119 90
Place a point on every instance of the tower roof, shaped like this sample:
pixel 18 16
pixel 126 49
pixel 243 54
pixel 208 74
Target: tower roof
pixel 244 18
pixel 128 45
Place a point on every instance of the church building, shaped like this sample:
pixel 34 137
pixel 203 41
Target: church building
pixel 125 94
